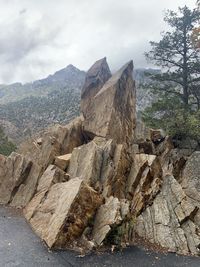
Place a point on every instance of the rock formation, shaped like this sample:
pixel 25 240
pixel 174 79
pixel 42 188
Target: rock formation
pixel 112 109
pixel 105 179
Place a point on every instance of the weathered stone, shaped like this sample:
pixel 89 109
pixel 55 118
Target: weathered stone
pixel 56 141
pixel 103 165
pixel 191 177
pixel 70 136
pixel 124 181
pixel 64 214
pixel 116 99
pixel 107 216
pixel 96 77
pixel 63 161
pixel 14 170
pixel 27 188
pixel 144 181
pixel 86 163
pixel 167 221
pixel 51 176
pixel 115 175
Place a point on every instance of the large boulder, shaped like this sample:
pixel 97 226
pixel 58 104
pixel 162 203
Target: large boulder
pixel 65 212
pixel 96 77
pixel 27 188
pixel 112 111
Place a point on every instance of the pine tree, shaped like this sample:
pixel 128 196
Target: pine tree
pixel 177 87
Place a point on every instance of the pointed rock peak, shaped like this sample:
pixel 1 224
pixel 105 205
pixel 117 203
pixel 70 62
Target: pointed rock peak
pixel 96 77
pixel 100 67
pixel 72 68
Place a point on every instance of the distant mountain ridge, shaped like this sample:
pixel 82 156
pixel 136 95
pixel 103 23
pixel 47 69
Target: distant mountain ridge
pixel 29 108
pixel 69 77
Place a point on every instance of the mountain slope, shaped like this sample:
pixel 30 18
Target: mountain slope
pixel 68 78
pixel 29 108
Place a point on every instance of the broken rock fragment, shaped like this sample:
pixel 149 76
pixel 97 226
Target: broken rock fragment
pixel 64 214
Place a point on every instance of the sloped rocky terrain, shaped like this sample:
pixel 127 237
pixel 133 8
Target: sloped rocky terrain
pixel 105 179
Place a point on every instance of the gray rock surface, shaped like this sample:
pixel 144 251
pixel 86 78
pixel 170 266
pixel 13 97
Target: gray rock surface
pixel 96 77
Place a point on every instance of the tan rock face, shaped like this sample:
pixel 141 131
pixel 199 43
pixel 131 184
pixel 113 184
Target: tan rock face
pixel 86 163
pixel 144 181
pixel 107 215
pixel 65 213
pixel 56 141
pixel 51 176
pixel 103 165
pixel 63 161
pixel 142 132
pixel 14 170
pixel 116 99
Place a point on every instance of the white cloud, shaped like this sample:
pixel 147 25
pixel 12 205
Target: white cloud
pixel 39 37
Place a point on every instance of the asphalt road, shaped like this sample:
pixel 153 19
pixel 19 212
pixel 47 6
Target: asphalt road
pixel 19 246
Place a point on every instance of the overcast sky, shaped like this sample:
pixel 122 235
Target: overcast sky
pixel 38 37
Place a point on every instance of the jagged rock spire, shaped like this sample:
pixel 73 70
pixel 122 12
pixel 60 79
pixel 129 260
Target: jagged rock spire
pixel 96 77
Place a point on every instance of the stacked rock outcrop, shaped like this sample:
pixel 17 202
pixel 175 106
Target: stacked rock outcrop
pixel 106 178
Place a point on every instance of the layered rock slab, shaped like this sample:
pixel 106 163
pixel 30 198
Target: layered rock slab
pixel 144 181
pixel 103 164
pixel 63 215
pixel 112 111
pixel 52 175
